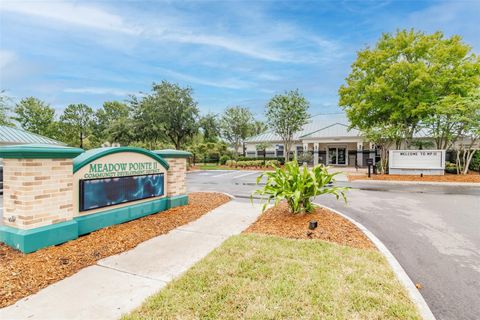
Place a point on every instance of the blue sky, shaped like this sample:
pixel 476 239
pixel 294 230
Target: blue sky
pixel 229 52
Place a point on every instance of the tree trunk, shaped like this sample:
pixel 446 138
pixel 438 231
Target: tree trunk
pixel 236 145
pixel 458 161
pixel 287 151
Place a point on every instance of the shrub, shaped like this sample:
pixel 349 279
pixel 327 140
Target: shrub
pixel 475 163
pixel 272 163
pixel 224 159
pixel 231 163
pixel 280 159
pixel 297 185
pixel 305 157
pixel 250 163
pixel 450 167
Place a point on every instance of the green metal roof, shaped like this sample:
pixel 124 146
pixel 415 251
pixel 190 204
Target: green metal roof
pixel 10 135
pixel 172 153
pixel 38 151
pixel 94 154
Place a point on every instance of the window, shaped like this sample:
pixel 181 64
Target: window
pixel 99 193
pixel 279 148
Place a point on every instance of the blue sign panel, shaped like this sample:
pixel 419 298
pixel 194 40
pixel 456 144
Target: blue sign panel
pixel 99 193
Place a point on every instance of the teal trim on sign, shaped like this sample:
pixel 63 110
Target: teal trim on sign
pixel 34 239
pixel 178 201
pixel 94 154
pixel 92 222
pixel 39 151
pixel 171 153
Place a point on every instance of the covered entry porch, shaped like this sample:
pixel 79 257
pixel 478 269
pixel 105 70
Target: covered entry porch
pixel 340 153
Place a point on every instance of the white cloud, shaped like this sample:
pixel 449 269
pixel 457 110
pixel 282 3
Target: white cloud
pixel 97 90
pixel 265 45
pixel 230 43
pixel 69 13
pixel 7 58
pixel 223 83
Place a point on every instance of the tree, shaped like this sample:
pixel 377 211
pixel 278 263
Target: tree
pixel 286 114
pixel 210 127
pixel 259 127
pixel 263 148
pixel 403 79
pixel 77 122
pixel 168 113
pixel 35 116
pixel 121 131
pixel 236 126
pixel 384 138
pixel 4 109
pixel 112 123
pixel 470 142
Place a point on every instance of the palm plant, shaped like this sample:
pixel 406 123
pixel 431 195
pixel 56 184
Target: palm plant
pixel 298 185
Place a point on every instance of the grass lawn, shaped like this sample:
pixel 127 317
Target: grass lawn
pixel 256 276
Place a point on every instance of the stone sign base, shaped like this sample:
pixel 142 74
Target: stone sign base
pixel 56 194
pixel 31 240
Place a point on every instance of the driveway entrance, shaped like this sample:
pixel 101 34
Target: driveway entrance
pixel 433 231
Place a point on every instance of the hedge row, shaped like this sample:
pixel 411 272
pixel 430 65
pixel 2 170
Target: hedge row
pixel 251 163
pixel 281 160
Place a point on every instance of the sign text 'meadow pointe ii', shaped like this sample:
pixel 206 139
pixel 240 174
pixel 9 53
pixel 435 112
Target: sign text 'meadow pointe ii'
pixel 98 170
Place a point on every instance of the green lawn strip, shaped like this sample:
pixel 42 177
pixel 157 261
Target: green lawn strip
pixel 264 277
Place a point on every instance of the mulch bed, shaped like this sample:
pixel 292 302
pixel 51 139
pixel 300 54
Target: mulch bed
pixel 279 221
pixel 471 177
pixel 24 274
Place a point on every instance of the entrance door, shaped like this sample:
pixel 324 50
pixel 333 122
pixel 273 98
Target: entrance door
pixel 332 155
pixel 342 156
pixel 337 155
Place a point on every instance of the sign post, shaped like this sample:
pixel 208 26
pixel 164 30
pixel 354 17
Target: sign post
pixel 369 164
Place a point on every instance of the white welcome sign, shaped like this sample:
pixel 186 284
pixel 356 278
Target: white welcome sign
pixel 428 162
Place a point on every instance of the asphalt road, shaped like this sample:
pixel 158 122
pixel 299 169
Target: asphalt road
pixel 433 231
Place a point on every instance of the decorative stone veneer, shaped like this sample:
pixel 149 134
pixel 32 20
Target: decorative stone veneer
pixel 41 192
pixel 37 192
pixel 176 178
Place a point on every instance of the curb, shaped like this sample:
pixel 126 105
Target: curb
pixel 427 183
pixel 402 276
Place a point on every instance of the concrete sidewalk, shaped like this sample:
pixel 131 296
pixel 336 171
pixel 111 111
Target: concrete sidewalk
pixel 120 283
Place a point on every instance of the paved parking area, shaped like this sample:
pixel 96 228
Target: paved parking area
pixel 236 182
pixel 433 231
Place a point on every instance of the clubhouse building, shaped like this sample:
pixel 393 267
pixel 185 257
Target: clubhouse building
pixel 325 139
